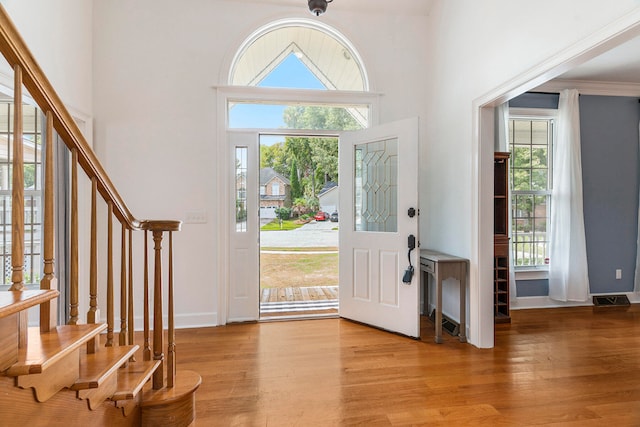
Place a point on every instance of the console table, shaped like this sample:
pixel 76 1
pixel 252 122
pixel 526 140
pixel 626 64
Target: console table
pixel 442 266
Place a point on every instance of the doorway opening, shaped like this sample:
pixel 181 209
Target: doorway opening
pixel 292 79
pixel 299 220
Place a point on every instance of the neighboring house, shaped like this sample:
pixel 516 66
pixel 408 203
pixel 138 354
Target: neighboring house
pixel 275 192
pixel 328 197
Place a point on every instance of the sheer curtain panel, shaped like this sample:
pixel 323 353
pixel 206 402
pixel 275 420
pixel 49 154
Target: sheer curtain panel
pixel 568 273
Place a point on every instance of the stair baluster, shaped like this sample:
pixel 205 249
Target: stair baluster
pixel 146 350
pixel 110 290
pixel 73 245
pixel 123 286
pixel 158 376
pixel 171 349
pixel 93 265
pixel 130 286
pixel 48 312
pixel 17 193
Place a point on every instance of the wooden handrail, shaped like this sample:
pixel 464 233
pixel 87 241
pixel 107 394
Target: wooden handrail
pixel 16 53
pixel 29 75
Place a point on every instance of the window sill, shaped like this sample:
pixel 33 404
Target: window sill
pixel 532 273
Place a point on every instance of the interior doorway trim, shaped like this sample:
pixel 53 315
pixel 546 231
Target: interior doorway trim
pixel 481 322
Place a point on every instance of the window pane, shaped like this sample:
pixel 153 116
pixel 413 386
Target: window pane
pixel 241 189
pixel 539 179
pixel 521 179
pixel 530 176
pixel 247 115
pixel 522 156
pixel 539 132
pixel 539 156
pixel 297 55
pixel 522 132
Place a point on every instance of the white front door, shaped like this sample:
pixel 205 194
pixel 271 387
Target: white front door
pixel 244 276
pixel 378 187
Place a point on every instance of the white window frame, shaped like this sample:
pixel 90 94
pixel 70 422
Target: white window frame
pixel 531 272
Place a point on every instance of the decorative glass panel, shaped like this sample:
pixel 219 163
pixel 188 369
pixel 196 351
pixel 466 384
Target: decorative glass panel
pixel 241 189
pixel 376 186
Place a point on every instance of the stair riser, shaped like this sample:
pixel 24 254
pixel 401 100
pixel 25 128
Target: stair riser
pixel 49 382
pixel 8 341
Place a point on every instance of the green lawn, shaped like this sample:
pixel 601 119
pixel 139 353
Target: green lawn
pixel 298 270
pixel 288 224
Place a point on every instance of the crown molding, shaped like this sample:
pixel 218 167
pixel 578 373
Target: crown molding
pixel 587 87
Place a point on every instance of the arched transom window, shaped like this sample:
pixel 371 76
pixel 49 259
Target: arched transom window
pixel 321 50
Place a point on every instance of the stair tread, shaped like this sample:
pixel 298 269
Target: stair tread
pixel 186 383
pixel 97 367
pixel 45 349
pixel 12 302
pixel 132 378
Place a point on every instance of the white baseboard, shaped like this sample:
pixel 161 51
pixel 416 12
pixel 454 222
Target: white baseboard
pixel 183 321
pixel 524 303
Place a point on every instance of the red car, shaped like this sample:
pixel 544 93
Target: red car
pixel 321 216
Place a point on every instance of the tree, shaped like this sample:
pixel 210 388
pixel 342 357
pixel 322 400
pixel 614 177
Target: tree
pixel 275 156
pixel 311 162
pixel 320 117
pixel 300 149
pixel 325 156
pixel 296 190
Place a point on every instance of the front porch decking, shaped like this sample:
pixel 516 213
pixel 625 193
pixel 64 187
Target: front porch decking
pixel 299 301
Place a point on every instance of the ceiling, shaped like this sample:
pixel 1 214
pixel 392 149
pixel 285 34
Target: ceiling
pixel 620 65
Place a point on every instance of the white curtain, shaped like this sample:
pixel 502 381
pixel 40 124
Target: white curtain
pixel 568 274
pixel 502 145
pixel 502 128
pixel 636 288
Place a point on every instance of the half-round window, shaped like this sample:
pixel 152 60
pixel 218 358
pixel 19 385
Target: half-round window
pixel 328 59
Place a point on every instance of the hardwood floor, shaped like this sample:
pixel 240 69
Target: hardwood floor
pixel 561 367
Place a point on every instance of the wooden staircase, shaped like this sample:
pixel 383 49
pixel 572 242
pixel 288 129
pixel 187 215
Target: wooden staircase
pixel 82 372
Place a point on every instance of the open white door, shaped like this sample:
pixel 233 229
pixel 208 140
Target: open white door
pixel 378 187
pixel 244 276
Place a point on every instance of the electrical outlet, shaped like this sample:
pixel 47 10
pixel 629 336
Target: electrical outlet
pixel 618 274
pixel 195 217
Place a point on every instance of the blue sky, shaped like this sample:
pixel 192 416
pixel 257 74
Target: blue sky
pixel 291 73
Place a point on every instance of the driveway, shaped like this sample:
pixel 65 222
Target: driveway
pixel 314 234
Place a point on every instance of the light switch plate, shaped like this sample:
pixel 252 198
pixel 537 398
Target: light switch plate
pixel 196 217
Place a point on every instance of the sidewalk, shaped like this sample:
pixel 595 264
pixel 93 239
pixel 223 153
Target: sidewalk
pixel 312 235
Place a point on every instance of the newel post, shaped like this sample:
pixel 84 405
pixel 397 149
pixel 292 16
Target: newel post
pixel 158 228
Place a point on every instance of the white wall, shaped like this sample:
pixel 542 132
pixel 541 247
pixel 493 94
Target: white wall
pixel 155 63
pixel 475 47
pixel 59 34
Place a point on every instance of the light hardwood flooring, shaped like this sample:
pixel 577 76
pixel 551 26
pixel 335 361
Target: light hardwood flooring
pixel 561 367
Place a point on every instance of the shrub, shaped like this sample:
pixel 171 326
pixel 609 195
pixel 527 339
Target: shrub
pixel 283 213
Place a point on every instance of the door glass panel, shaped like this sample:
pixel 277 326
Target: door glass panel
pixel 376 186
pixel 241 189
